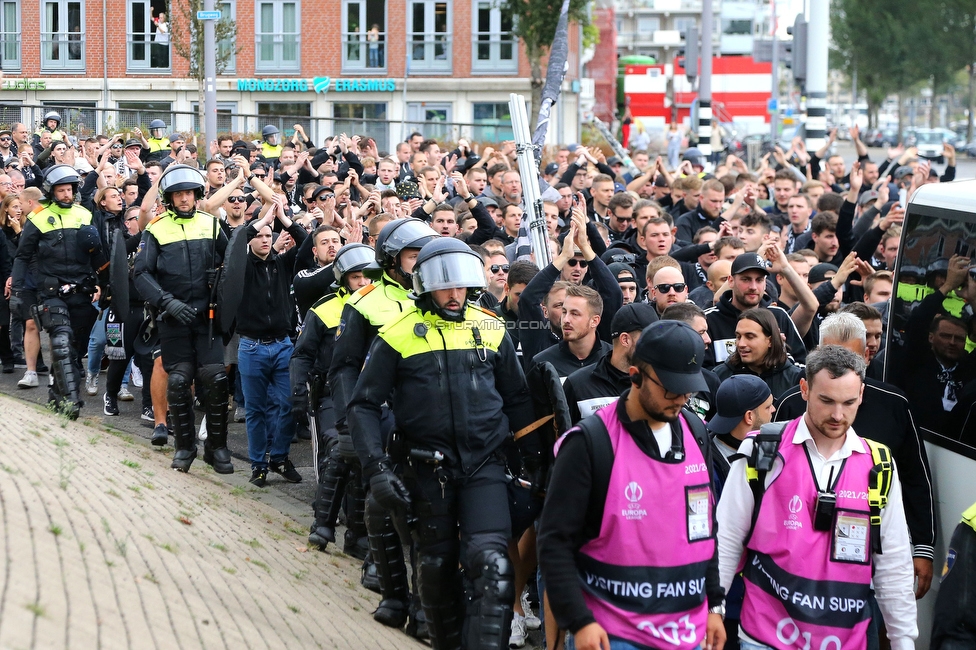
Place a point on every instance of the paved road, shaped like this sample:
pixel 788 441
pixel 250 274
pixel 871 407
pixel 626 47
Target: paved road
pixel 102 545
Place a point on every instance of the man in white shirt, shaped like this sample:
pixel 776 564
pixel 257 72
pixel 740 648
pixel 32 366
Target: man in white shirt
pixel 809 552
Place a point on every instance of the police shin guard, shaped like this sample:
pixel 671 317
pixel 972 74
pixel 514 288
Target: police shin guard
pixel 442 602
pixel 489 615
pixel 181 409
pixel 355 543
pixel 67 381
pixel 215 452
pixel 328 498
pixel 387 552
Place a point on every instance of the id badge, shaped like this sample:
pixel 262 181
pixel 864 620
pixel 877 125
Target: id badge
pixel 724 348
pixel 852 536
pixel 699 512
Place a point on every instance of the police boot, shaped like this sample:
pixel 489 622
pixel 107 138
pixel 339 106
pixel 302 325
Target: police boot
pixel 215 451
pixel 328 498
pixel 181 411
pixel 417 622
pixel 369 576
pixel 387 552
pixel 489 613
pixel 442 601
pixel 355 542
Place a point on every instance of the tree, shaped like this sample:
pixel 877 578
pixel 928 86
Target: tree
pixel 187 39
pixel 535 24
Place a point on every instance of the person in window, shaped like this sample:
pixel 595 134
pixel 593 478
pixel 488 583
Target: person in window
pixel 373 39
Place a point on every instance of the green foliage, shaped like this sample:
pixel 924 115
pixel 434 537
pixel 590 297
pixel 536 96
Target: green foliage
pixel 186 35
pixel 536 21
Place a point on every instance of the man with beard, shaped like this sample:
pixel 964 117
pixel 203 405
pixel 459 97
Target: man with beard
pixel 580 345
pixel 311 284
pixel 748 284
pixel 708 212
pixel 594 386
pixel 667 288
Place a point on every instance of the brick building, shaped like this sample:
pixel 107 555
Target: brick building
pixel 331 64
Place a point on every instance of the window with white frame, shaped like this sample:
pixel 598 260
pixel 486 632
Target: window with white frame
pixel 133 114
pixel 494 122
pixel 227 47
pixel 277 33
pixel 148 35
pixel 495 46
pixel 62 35
pixel 430 36
pixel 363 35
pixel 365 118
pixel 10 35
pixel 226 121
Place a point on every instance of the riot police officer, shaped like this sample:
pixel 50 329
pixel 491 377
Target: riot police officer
pixel 310 392
pixel 157 144
pixel 271 147
pixel 456 360
pixel 52 124
pixel 175 273
pixel 67 251
pixel 366 311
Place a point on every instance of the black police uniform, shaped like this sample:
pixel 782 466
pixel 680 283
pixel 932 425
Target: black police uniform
pixel 67 251
pixel 177 262
pixel 457 389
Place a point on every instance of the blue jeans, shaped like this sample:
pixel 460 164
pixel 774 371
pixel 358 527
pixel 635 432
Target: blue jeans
pixel 267 391
pixel 96 344
pixel 745 645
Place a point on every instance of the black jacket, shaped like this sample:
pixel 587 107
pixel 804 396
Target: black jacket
pixel 448 392
pixel 780 379
pixel 312 355
pixel 885 416
pixel 692 221
pixel 594 386
pixel 50 237
pixel 267 310
pixel 565 362
pixel 723 317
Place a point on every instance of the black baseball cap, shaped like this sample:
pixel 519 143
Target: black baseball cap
pixel 614 160
pixel 819 272
pixel 736 395
pixel 675 351
pixel 748 262
pixel 551 169
pixel 632 318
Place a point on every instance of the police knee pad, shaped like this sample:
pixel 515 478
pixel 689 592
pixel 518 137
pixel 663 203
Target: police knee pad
pixel 61 344
pixel 51 316
pixel 179 382
pixel 494 574
pixel 490 609
pixel 214 378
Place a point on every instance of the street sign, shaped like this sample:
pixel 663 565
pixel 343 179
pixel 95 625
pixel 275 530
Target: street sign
pixel 772 105
pixel 208 15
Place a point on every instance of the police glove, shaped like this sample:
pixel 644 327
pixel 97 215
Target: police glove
pixel 182 312
pixel 387 488
pixel 16 302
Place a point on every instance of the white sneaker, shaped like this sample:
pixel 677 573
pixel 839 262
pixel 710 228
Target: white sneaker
pixel 532 621
pixel 91 383
pixel 135 376
pixel 125 395
pixel 517 639
pixel 29 380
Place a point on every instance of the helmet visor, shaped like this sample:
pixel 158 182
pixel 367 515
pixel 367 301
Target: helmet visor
pixel 180 178
pixel 412 234
pixel 449 271
pixel 355 258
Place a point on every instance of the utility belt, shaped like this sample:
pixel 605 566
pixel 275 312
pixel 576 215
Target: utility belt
pixel 52 286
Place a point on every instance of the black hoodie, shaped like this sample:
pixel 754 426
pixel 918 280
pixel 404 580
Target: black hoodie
pixel 722 319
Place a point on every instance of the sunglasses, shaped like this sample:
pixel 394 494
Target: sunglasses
pixel 236 199
pixel 5 139
pixel 495 268
pixel 324 197
pixel 117 146
pixel 666 288
pixel 260 175
pixel 582 263
pixel 624 219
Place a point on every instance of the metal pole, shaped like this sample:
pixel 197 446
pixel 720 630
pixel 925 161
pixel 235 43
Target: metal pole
pixel 533 217
pixel 854 96
pixel 818 36
pixel 774 117
pixel 210 77
pixel 104 66
pixel 705 82
pixel 406 73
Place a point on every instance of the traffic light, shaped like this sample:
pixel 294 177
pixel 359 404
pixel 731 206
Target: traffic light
pixel 691 53
pixel 798 49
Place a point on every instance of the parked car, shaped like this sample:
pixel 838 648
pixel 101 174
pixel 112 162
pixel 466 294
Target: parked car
pixel 931 144
pixel 881 138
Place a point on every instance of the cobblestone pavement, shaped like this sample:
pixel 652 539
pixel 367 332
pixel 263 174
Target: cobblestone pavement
pixel 104 546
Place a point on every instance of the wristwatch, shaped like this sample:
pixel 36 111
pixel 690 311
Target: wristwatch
pixel 248 178
pixel 718 609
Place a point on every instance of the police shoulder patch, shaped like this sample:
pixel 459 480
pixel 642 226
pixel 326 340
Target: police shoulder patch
pixel 361 293
pixel 341 327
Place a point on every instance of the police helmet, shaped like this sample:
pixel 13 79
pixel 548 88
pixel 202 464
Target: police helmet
pixel 157 124
pixel 60 175
pixel 447 263
pixel 52 115
pixel 177 178
pixel 399 234
pixel 352 258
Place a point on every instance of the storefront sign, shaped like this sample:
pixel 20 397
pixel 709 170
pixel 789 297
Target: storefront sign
pixel 24 84
pixel 318 84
